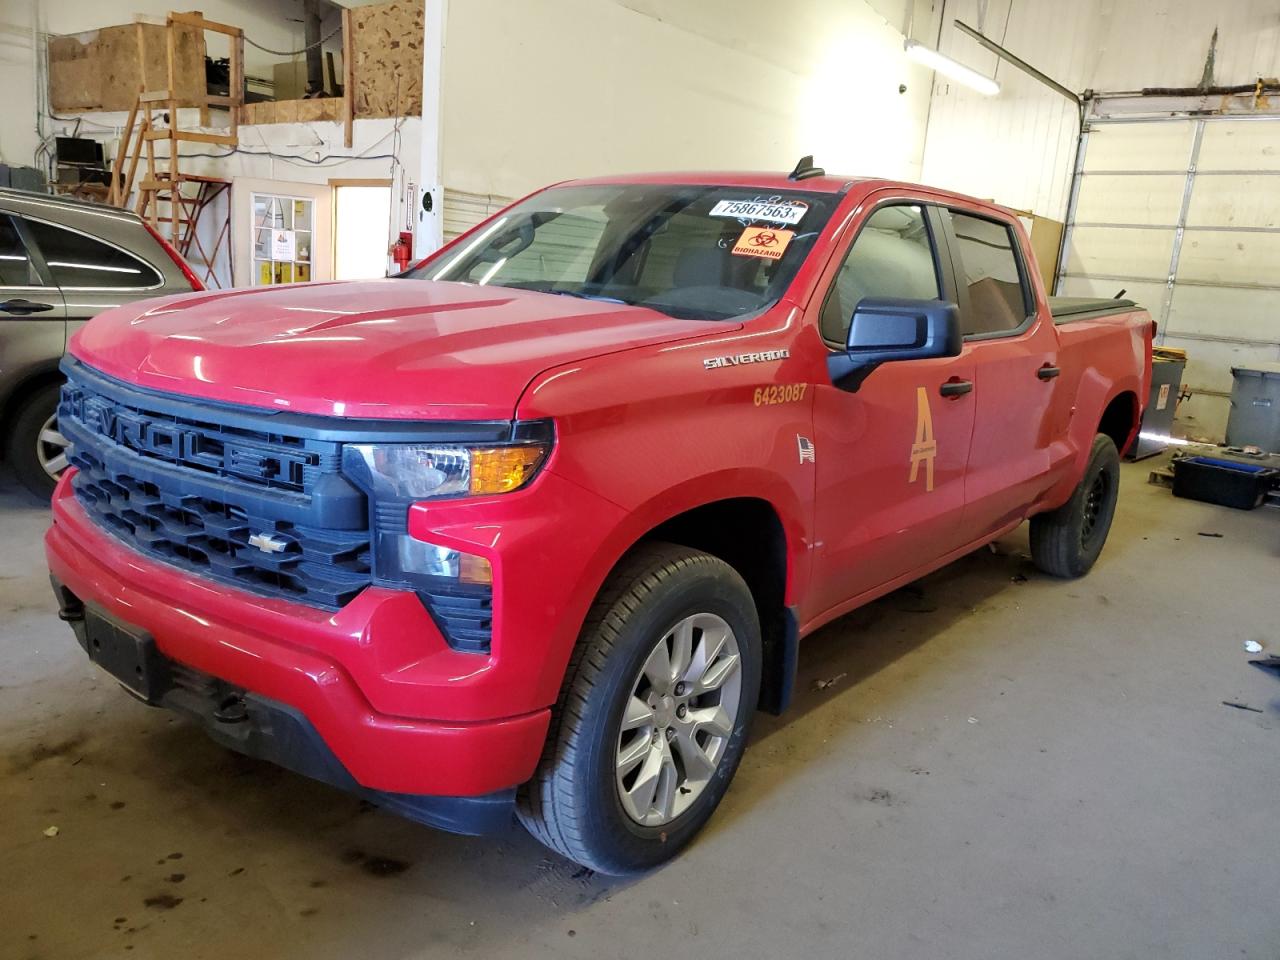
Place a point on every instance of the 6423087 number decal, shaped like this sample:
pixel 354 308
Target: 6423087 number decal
pixel 779 393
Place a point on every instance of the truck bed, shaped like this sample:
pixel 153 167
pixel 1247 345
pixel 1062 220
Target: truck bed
pixel 1070 309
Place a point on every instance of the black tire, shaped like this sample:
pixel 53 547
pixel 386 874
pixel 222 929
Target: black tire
pixel 21 450
pixel 1066 542
pixel 572 804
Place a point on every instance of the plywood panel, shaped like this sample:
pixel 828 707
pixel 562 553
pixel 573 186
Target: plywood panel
pixel 1130 199
pixel 1117 252
pixel 1229 258
pixel 387 58
pixel 1242 201
pixel 100 70
pixel 1241 145
pixel 1140 146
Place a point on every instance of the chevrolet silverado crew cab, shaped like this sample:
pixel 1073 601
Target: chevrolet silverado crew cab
pixel 539 524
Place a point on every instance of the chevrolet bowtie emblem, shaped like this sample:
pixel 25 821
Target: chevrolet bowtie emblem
pixel 268 543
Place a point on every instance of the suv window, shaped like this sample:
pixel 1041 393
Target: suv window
pixel 892 256
pixel 16 269
pixel 998 301
pixel 75 260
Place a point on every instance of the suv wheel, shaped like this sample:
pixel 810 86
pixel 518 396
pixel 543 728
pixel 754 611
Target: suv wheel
pixel 1066 542
pixel 653 718
pixel 36 451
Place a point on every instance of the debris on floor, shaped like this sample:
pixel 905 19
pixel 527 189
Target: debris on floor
pixel 1252 646
pixel 1206 533
pixel 1270 662
pixel 1241 706
pixel 823 684
pixel 50 831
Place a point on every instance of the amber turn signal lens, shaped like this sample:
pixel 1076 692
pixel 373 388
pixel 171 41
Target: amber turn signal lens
pixel 473 569
pixel 503 469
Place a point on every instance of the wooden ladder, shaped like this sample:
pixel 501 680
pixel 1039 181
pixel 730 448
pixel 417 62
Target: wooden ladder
pixel 154 119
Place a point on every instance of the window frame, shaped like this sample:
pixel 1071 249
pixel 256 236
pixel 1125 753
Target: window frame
pixel 958 272
pixel 34 248
pixel 943 269
pixel 43 280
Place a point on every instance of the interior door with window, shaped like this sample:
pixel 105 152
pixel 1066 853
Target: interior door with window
pixel 1011 459
pixel 890 456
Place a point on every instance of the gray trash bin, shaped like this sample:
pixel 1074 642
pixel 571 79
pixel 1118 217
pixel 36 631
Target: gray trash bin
pixel 1255 407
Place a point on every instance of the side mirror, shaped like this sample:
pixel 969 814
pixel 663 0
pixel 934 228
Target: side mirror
pixel 883 330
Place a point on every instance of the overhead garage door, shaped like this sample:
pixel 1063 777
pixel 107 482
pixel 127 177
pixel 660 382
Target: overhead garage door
pixel 1184 214
pixel 463 210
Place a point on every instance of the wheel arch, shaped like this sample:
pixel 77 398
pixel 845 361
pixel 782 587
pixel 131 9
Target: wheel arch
pixel 28 382
pixel 750 533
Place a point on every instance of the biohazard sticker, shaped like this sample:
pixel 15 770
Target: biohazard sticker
pixel 790 211
pixel 763 242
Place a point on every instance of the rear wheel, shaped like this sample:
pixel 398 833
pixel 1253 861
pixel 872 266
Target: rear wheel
pixel 36 451
pixel 1066 542
pixel 654 715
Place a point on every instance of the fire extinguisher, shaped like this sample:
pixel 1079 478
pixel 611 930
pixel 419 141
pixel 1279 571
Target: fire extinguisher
pixel 402 251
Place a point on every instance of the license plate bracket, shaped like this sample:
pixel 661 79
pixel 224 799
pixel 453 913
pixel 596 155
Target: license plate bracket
pixel 126 652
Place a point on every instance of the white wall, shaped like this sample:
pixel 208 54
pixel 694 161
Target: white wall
pixel 1018 147
pixel 546 90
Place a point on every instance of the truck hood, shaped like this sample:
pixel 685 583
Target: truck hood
pixel 404 349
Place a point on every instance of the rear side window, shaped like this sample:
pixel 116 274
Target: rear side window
pixel 16 269
pixel 998 300
pixel 81 262
pixel 891 257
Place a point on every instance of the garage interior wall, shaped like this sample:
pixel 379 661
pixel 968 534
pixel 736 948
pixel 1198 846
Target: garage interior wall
pixel 273 23
pixel 571 88
pixel 1150 183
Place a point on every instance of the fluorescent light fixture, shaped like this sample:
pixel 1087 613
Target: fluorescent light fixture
pixel 951 68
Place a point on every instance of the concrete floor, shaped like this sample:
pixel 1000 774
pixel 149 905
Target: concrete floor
pixel 998 769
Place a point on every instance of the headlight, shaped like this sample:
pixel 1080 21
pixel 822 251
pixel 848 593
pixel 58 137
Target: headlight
pixel 413 471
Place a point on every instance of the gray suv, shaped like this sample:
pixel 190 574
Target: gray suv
pixel 61 262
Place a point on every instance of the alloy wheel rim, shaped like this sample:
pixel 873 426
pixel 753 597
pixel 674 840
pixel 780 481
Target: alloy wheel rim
pixel 51 448
pixel 678 719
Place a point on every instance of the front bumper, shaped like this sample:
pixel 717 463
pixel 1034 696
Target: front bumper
pixel 293 658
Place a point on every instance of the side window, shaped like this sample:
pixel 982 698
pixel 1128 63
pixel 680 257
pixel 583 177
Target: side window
pixel 891 257
pixel 75 260
pixel 16 269
pixel 989 267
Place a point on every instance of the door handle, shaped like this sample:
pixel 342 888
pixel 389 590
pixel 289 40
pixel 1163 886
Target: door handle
pixel 955 388
pixel 22 307
pixel 1047 372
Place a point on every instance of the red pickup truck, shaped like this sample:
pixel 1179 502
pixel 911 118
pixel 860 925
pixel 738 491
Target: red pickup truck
pixel 539 524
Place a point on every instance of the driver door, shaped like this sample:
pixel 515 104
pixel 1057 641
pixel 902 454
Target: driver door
pixel 890 455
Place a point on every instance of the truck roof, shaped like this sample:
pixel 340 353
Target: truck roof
pixel 772 180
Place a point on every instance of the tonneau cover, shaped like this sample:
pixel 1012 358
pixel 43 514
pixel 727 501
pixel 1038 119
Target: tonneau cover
pixel 1067 309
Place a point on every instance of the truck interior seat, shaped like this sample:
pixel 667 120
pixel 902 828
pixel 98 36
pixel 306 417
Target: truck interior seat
pixel 994 305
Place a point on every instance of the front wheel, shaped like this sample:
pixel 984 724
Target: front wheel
pixel 654 715
pixel 36 451
pixel 1066 542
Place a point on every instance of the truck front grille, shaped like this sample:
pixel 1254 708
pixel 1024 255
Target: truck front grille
pixel 211 537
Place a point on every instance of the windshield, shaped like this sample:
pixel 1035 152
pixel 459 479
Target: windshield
pixel 694 252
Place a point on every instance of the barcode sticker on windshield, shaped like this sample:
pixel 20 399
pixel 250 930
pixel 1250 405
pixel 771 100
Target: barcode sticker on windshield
pixel 791 212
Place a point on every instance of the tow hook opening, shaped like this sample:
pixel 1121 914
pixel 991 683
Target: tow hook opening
pixel 231 709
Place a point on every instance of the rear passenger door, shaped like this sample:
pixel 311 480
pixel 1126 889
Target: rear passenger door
pixel 33 327
pixel 92 275
pixel 1014 353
